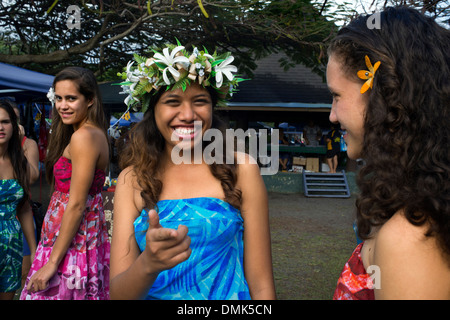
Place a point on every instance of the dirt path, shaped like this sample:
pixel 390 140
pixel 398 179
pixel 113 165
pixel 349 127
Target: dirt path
pixel 312 238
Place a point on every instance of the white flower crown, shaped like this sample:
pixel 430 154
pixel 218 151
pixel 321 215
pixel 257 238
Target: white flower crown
pixel 176 69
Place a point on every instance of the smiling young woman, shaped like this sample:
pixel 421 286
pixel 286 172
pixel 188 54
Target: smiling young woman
pixel 191 230
pixel 72 260
pixel 396 119
pixel 348 106
pixel 71 105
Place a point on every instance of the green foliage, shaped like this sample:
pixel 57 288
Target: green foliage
pixel 139 59
pixel 250 29
pixel 183 83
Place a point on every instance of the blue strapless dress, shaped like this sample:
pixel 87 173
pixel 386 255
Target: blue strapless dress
pixel 215 269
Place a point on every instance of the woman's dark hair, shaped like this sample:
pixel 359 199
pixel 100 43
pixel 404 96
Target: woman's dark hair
pixel 17 157
pixel 60 135
pixel 406 141
pixel 144 149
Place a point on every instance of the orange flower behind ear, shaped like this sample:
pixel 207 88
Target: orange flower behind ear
pixel 368 75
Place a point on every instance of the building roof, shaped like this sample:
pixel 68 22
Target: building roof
pixel 272 87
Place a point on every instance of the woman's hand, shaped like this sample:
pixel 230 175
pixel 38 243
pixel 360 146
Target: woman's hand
pixel 39 280
pixel 165 248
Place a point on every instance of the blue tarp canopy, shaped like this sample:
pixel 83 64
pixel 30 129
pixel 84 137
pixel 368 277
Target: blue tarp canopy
pixel 134 117
pixel 16 81
pixel 122 122
pixel 29 90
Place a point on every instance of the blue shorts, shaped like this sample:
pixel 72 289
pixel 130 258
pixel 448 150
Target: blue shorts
pixel 26 248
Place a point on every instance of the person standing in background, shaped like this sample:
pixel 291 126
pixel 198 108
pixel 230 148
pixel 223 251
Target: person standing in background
pixel 30 148
pixel 72 258
pixel 31 151
pixel 15 210
pixel 312 134
pixel 333 139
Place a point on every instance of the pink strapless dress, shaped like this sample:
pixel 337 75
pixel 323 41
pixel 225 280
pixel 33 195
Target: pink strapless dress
pixel 84 271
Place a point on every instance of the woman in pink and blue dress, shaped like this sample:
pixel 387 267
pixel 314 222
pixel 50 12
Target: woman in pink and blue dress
pixel 72 258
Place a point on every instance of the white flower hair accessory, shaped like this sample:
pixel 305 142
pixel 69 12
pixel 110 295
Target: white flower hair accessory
pixel 177 68
pixel 51 95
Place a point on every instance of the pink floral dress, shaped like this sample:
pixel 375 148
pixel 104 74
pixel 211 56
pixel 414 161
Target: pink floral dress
pixel 84 271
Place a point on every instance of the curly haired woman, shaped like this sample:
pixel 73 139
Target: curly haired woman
pixel 209 238
pixel 391 94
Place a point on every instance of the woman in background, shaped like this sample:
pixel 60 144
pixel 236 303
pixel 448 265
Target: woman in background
pixel 31 151
pixel 15 210
pixel 72 259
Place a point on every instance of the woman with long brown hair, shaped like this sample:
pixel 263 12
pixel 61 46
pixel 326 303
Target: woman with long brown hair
pixel 72 259
pixel 15 210
pixel 195 229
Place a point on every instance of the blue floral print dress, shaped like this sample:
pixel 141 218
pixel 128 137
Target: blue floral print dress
pixel 11 243
pixel 215 268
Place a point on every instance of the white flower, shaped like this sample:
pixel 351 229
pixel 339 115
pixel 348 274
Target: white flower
pixel 195 52
pixel 169 60
pixel 51 95
pixel 129 90
pixel 224 68
pixel 132 75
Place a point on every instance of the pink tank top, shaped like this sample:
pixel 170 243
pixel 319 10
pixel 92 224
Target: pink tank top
pixel 63 173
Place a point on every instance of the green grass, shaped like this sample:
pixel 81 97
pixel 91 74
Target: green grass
pixel 307 265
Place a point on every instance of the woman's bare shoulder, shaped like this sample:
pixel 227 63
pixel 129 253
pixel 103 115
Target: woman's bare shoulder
pixel 128 177
pixel 413 265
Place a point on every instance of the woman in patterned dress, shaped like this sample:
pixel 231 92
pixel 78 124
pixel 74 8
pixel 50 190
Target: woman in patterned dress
pixel 72 258
pixel 15 210
pixel 209 236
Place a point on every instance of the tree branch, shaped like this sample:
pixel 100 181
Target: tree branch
pixel 59 55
